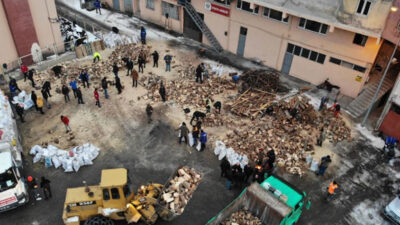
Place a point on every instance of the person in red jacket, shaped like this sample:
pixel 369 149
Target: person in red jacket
pixel 96 97
pixel 24 70
pixel 65 121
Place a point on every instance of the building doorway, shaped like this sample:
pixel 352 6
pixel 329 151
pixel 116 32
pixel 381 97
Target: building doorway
pixel 242 41
pixel 128 6
pixel 190 29
pixel 287 63
pixel 116 5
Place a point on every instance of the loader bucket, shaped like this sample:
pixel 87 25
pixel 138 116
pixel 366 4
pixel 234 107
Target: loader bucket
pixel 131 214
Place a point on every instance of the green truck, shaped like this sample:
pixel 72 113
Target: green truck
pixel 274 202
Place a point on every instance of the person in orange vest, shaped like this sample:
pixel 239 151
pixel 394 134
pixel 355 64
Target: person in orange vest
pixel 332 189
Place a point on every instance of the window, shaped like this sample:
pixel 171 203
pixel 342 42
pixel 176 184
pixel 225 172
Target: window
pixel 171 10
pixel 243 5
pixel 313 26
pixel 106 194
pixel 347 65
pixel 127 191
pixel 306 53
pixel 150 4
pixel 225 2
pixel 363 7
pixel 114 193
pixel 276 15
pixel 360 39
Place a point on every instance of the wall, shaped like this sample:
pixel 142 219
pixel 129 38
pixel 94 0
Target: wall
pixel 44 27
pixel 8 51
pixel 391 33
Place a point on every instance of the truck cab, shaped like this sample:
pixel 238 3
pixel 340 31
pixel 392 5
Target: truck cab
pixel 392 211
pixel 13 189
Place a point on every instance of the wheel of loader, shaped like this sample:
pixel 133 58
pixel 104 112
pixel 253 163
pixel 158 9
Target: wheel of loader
pixel 99 220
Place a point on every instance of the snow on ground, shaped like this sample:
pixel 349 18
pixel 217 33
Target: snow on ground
pixel 123 22
pixel 220 68
pixel 368 213
pixel 314 100
pixel 375 141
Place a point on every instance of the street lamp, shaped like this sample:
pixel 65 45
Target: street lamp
pixel 392 59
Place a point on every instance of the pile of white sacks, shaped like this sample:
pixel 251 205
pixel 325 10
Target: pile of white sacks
pixel 70 160
pixel 221 151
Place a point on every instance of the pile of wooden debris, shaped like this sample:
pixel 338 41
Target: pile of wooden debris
pixel 242 218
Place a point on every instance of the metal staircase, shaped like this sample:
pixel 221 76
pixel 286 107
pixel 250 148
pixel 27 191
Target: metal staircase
pixel 360 105
pixel 201 25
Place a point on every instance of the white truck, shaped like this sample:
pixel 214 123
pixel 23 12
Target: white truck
pixel 392 210
pixel 13 187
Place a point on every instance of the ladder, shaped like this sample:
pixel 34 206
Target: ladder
pixel 201 25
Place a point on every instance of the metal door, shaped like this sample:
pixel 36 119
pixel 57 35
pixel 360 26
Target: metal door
pixel 190 28
pixel 242 41
pixel 128 5
pixel 116 4
pixel 287 63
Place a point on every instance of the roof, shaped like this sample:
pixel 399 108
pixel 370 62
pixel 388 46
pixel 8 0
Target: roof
pixel 324 11
pixel 293 196
pixel 75 195
pixel 113 177
pixel 5 161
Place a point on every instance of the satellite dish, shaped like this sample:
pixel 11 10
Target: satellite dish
pixel 36 53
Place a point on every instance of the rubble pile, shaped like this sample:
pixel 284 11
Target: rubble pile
pixel 180 189
pixel 242 217
pixel 260 80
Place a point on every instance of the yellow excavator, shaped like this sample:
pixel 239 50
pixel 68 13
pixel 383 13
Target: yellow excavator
pixel 112 199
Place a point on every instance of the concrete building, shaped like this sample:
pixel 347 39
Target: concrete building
pixel 310 39
pixel 23 23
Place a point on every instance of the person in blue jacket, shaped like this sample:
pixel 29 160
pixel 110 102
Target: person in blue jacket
pixel 13 87
pixel 84 76
pixel 97 4
pixel 203 140
pixel 143 35
pixel 74 86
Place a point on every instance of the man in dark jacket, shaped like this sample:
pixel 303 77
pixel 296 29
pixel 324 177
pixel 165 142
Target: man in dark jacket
pixel 155 58
pixel 248 171
pixel 30 76
pixel 225 166
pixel 84 76
pixel 203 140
pixel 46 97
pixel 79 96
pixel 149 112
pixel 162 92
pixel 104 85
pixel 34 99
pixel 218 106
pixel 65 92
pixel 118 85
pixel 183 133
pixel 129 67
pixel 47 87
pixel 141 62
pixel 199 71
pixel 97 5
pixel 45 185
pixel 325 161
pixel 115 69
pixel 20 111
pixel 168 59
pixel 13 87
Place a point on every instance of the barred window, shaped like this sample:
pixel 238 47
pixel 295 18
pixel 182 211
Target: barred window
pixel 150 4
pixel 170 9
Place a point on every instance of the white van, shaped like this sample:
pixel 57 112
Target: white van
pixel 392 210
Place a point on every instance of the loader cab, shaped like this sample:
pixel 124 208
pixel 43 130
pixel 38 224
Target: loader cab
pixel 293 198
pixel 116 189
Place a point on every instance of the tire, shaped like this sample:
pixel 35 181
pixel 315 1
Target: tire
pixel 99 220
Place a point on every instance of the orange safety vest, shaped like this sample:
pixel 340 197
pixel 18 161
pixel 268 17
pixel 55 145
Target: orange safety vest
pixel 332 188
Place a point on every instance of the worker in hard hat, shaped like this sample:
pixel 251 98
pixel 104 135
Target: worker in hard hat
pixel 96 57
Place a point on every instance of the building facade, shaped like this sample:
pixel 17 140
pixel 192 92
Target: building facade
pixel 23 23
pixel 313 40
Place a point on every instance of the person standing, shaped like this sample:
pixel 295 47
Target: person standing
pixel 34 99
pixel 47 87
pixel 13 86
pixel 325 161
pixel 129 67
pixel 104 85
pixel 65 92
pixel 30 77
pixel 97 5
pixel 135 78
pixel 118 85
pixel 155 58
pixel 324 100
pixel 46 97
pixel 79 96
pixel 20 111
pixel 97 97
pixel 45 185
pixel 162 92
pixel 167 59
pixel 65 121
pixel 208 105
pixel 84 76
pixel 203 140
pixel 332 189
pixel 149 112
pixel 225 167
pixel 40 104
pixel 199 71
pixel 321 137
pixel 141 62
pixel 24 70
pixel 74 86
pixel 143 35
pixel 248 172
pixel 195 134
pixel 115 69
pixel 183 133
